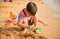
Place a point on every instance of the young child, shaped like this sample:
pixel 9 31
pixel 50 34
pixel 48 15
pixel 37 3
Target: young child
pixel 27 17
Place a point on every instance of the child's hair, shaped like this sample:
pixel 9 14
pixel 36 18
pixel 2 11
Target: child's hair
pixel 31 8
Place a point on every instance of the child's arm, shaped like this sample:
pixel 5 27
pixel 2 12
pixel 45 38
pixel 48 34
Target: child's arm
pixel 35 22
pixel 21 20
pixel 23 23
pixel 20 24
pixel 43 23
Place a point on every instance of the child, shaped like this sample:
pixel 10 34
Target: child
pixel 27 17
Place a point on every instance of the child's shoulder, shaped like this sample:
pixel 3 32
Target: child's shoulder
pixel 21 13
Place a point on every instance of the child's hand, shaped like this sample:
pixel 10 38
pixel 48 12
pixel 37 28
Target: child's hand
pixel 32 27
pixel 45 24
pixel 42 23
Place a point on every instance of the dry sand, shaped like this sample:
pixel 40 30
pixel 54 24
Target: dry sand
pixel 15 33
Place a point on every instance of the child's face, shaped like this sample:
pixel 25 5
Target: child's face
pixel 27 13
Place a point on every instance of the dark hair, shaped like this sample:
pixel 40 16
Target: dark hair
pixel 31 8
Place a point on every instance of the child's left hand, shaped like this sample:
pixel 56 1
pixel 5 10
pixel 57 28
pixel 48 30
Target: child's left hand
pixel 45 24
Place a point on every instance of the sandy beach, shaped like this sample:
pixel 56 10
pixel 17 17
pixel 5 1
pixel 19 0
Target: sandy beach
pixel 44 14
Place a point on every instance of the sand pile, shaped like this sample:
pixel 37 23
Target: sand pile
pixel 15 33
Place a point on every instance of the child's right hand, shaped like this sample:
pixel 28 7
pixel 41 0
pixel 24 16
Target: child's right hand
pixel 32 27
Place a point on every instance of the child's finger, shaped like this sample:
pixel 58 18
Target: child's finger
pixel 46 25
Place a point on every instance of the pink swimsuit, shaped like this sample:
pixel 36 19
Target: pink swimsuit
pixel 21 17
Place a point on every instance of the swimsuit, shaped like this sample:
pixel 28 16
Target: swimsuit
pixel 22 15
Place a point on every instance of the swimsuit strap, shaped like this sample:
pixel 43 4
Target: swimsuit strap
pixel 24 12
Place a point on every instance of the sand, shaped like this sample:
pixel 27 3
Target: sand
pixel 15 33
pixel 44 12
